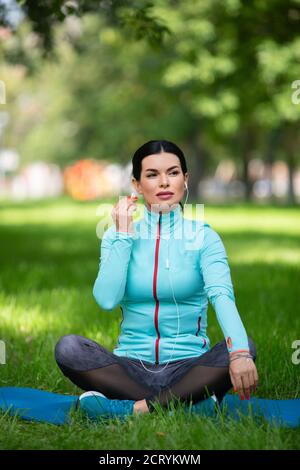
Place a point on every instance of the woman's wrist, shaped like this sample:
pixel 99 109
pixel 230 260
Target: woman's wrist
pixel 239 354
pixel 125 228
pixel 242 356
pixel 239 351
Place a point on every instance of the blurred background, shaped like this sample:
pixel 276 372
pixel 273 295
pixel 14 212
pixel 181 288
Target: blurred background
pixel 84 83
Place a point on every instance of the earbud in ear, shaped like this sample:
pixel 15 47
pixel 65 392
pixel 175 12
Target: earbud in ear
pixel 134 197
pixel 185 185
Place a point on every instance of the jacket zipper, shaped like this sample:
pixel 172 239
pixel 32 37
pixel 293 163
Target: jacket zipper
pixel 198 330
pixel 120 327
pixel 199 325
pixel 155 292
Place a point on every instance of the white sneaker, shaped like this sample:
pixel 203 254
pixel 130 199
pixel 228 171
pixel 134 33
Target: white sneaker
pixel 88 394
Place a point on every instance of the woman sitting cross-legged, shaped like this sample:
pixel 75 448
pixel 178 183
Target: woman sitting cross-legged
pixel 162 270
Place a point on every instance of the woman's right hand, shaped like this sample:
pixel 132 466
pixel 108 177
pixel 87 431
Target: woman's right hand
pixel 243 375
pixel 122 214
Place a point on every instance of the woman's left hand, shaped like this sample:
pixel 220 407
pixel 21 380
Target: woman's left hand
pixel 244 377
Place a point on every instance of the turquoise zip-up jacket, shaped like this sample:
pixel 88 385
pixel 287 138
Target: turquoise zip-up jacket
pixel 138 271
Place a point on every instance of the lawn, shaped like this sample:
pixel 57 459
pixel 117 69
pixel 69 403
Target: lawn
pixel 49 261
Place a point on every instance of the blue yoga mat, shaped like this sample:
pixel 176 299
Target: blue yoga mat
pixel 48 407
pixel 285 413
pixel 36 405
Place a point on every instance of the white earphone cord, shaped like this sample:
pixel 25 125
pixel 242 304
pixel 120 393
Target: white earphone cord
pixel 178 320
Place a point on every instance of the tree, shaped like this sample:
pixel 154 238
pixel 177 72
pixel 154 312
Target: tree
pixel 215 78
pixel 44 15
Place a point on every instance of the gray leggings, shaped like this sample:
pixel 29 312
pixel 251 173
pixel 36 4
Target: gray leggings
pixel 90 366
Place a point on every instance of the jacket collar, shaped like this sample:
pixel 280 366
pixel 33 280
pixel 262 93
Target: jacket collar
pixel 169 222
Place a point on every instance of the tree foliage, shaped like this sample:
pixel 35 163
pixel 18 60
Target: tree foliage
pixel 97 79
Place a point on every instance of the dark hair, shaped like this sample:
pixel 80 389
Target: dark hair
pixel 153 147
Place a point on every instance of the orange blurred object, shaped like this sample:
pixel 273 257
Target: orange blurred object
pixel 85 180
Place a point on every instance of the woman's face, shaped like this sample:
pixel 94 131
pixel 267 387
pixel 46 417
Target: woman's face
pixel 161 173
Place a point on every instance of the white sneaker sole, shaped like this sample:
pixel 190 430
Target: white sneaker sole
pixel 91 393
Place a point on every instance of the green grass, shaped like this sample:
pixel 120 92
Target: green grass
pixel 49 261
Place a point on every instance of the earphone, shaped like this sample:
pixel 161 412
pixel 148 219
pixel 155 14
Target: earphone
pixel 178 316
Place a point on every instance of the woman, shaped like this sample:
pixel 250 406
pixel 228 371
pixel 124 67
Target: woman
pixel 162 270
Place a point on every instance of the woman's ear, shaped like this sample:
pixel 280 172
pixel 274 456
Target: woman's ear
pixel 136 186
pixel 186 179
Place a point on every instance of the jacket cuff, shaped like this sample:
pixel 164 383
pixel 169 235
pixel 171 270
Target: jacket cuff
pixel 231 353
pixel 124 235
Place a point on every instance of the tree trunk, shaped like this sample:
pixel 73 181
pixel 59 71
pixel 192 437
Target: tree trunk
pixel 247 146
pixel 196 167
pixel 291 166
pixel 291 142
pixel 270 158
